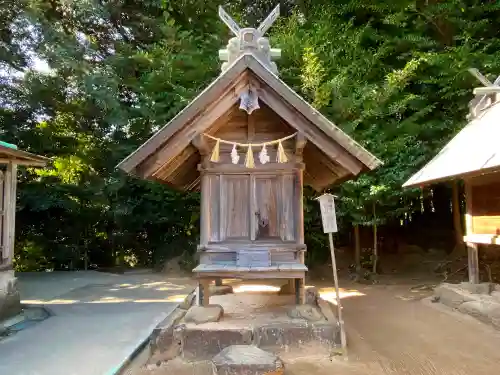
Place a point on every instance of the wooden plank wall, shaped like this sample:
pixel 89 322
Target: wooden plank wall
pixel 485 207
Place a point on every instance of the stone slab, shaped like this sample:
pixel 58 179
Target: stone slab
pixel 199 343
pixel 485 311
pixel 306 312
pixel 204 314
pixel 247 360
pixel 10 299
pixel 163 345
pixel 481 288
pixel 279 336
pixel 453 295
pixel 219 290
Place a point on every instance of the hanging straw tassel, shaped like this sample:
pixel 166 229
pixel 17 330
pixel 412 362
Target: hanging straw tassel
pixel 281 158
pixel 249 162
pixel 215 153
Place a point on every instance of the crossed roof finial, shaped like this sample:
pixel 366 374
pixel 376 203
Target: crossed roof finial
pixel 251 40
pixel 485 96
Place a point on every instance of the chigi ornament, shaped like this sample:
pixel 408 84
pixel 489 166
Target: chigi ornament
pixel 264 157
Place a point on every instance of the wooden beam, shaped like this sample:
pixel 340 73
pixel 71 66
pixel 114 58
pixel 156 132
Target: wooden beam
pixel 27 163
pixel 261 169
pixel 289 96
pixel 311 132
pixel 300 144
pixel 250 128
pixel 9 210
pixel 201 144
pixel 205 210
pixel 175 145
pixel 217 89
pixel 169 168
pixel 472 248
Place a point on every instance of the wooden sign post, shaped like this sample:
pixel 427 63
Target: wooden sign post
pixel 329 219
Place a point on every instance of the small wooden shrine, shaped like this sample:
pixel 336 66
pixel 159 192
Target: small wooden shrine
pixel 10 159
pixel 473 156
pixel 250 143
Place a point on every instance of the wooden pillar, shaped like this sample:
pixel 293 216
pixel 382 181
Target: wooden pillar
pixel 457 222
pixel 300 283
pixel 472 248
pixel 473 263
pixel 204 209
pixel 9 213
pixel 357 249
pixel 203 292
pixel 300 291
pixel 299 214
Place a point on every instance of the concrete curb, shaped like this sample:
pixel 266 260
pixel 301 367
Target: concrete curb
pixel 139 347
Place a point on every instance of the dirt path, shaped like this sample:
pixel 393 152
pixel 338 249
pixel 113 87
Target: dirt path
pixel 392 332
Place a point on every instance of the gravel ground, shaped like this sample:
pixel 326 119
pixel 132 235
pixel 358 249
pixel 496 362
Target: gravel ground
pixel 392 330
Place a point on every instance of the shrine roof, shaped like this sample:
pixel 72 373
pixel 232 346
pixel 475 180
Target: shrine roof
pixel 227 81
pixel 473 151
pixel 10 153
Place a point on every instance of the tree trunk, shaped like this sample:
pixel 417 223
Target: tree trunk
pixel 375 241
pixel 357 248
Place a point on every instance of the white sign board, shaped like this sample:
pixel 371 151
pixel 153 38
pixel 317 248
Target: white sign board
pixel 328 216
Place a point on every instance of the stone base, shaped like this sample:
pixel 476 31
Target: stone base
pixel 220 290
pixel 481 301
pixel 260 320
pixel 204 314
pixel 246 360
pixel 10 300
pixel 199 343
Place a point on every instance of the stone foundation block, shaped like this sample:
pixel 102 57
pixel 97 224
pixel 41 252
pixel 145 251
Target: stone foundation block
pixel 453 295
pixel 200 343
pixel 10 300
pixel 204 314
pixel 247 360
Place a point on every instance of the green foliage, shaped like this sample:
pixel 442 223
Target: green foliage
pixel 391 74
pixel 394 76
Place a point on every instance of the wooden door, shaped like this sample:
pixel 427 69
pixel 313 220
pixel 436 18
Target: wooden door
pixel 267 212
pixel 234 207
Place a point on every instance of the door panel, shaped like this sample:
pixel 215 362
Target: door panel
pixel 234 204
pixel 267 195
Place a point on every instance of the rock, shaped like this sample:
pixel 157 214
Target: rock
pixel 247 360
pixel 286 289
pixel 312 296
pixel 220 290
pixel 201 344
pixel 164 345
pixel 173 265
pixel 452 295
pixel 284 335
pixel 10 299
pixel 495 296
pixel 307 312
pixel 188 301
pixel 482 288
pixel 485 311
pixel 204 314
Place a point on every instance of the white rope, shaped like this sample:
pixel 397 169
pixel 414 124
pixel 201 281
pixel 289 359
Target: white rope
pixel 277 141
